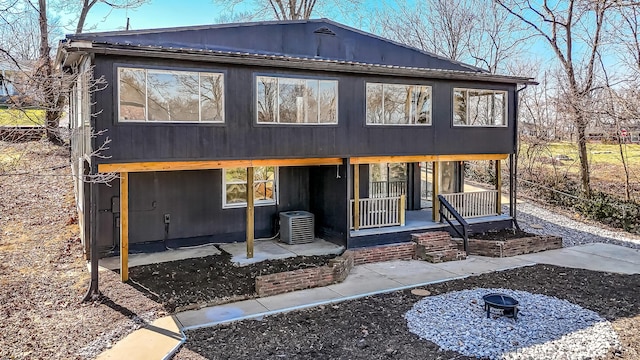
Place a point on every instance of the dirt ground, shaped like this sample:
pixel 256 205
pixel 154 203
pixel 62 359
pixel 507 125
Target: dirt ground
pixel 185 284
pixel 43 275
pixel 374 327
pixel 505 234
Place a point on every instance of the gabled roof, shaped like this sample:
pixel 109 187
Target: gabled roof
pixel 313 44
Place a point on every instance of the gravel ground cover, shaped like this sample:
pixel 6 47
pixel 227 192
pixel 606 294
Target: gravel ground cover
pixel 375 327
pixel 545 326
pixel 537 219
pixel 212 280
pixel 43 275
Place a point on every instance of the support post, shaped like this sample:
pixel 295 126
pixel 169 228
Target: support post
pixel 124 226
pixel 499 187
pixel 250 213
pixel 356 197
pixel 435 176
pixel 403 205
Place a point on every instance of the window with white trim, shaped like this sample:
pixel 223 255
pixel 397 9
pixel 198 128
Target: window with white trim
pixel 234 186
pixel 296 101
pixel 479 107
pixel 398 104
pixel 170 96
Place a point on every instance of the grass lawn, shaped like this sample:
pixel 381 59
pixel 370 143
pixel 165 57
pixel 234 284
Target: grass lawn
pixel 598 153
pixel 12 117
pixel 605 163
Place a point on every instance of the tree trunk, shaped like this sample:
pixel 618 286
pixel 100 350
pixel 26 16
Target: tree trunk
pixel 581 125
pixel 45 74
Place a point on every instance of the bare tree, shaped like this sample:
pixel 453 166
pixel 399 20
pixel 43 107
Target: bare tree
pixel 574 30
pixel 442 27
pixel 474 31
pixel 83 8
pixel 291 9
pixel 26 37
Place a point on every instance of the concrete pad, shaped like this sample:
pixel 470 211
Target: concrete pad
pixel 574 258
pixel 113 263
pixel 506 262
pixel 317 247
pixel 610 251
pixel 411 272
pixel 363 280
pixel 154 341
pixel 220 313
pixel 298 298
pixel 262 250
pixel 471 266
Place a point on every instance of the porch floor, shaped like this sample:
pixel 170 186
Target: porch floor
pixel 421 220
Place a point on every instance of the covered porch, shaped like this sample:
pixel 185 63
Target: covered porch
pixel 389 211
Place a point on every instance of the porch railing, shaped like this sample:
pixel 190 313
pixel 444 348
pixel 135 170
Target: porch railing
pixel 379 212
pixel 474 204
pixel 384 189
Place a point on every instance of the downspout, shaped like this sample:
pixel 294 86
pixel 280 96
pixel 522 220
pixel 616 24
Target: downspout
pixel 513 164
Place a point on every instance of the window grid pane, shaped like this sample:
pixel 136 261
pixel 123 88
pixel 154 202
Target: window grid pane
pixel 170 96
pixel 479 107
pixel 296 100
pixel 264 186
pixel 398 104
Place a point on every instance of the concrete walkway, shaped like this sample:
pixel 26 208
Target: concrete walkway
pixel 365 280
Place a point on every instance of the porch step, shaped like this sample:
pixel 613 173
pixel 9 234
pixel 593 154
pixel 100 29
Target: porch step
pixel 437 247
pixel 443 256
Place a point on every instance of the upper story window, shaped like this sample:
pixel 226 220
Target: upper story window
pixel 170 96
pixel 398 104
pixel 265 182
pixel 478 107
pixel 296 101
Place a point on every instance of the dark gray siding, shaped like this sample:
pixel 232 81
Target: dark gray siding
pixel 241 138
pixel 193 199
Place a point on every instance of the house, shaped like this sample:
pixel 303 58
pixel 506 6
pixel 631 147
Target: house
pixel 317 115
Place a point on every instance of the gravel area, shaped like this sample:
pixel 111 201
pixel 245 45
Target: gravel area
pixel 546 326
pixel 539 220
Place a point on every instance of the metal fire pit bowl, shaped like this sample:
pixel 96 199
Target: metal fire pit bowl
pixel 506 303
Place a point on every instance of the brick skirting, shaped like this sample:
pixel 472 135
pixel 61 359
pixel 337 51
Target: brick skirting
pixel 336 271
pixel 512 247
pixel 401 251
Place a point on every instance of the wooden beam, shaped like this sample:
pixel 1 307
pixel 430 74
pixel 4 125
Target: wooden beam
pixel 356 197
pixel 124 226
pixel 499 187
pixel 250 213
pixel 212 164
pixel 426 158
pixel 435 202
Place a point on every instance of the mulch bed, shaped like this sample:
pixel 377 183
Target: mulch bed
pixel 43 275
pixel 374 327
pixel 504 234
pixel 211 280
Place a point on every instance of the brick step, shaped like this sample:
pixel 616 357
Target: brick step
pixel 443 256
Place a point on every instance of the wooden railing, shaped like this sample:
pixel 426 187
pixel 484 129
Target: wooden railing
pixel 474 204
pixel 378 212
pixel 383 189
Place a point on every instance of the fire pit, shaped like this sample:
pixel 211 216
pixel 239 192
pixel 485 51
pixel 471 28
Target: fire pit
pixel 506 303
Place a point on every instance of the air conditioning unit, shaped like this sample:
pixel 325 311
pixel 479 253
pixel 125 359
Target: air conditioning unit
pixel 296 227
